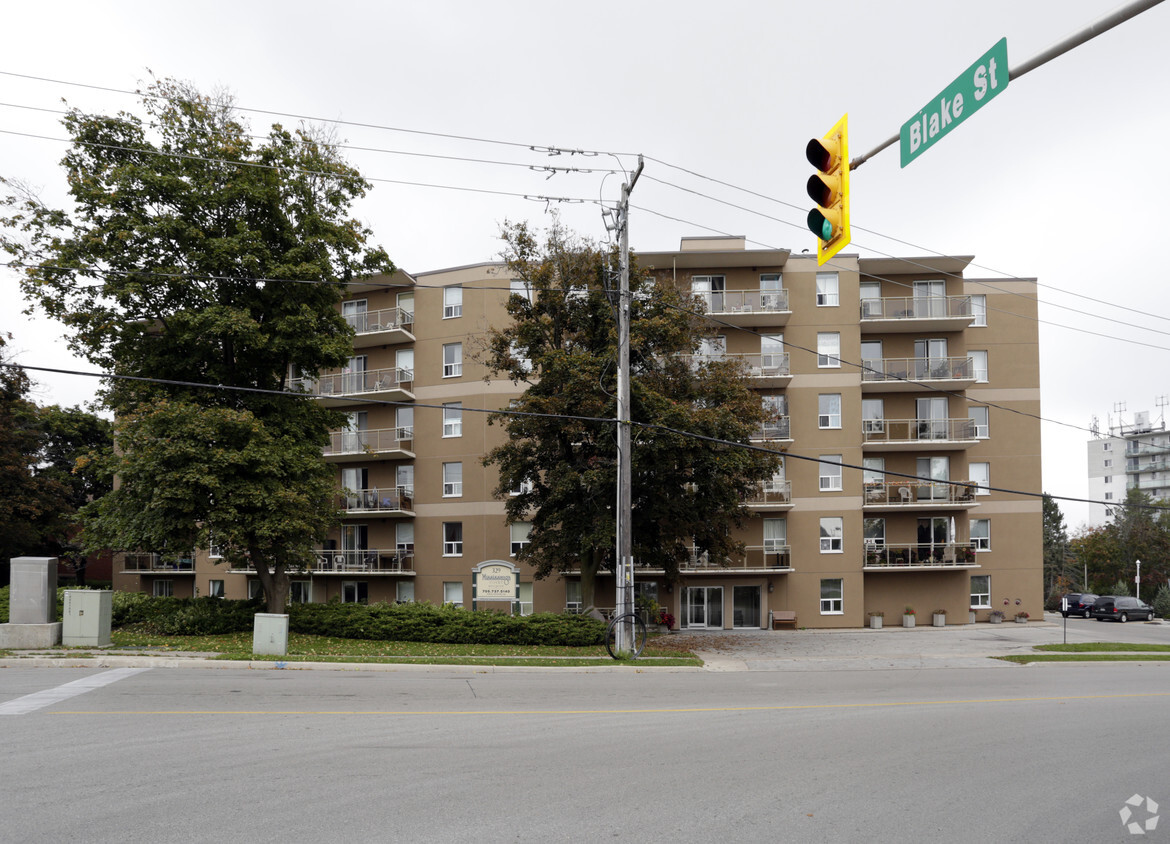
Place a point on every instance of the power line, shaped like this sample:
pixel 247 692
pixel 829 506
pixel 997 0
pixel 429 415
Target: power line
pixel 568 417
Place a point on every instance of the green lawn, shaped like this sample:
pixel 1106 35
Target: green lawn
pixel 1023 659
pixel 1102 647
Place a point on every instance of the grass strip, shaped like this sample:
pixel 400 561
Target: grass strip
pixel 1024 659
pixel 486 661
pixel 1102 647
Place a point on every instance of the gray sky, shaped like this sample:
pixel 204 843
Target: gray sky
pixel 1060 177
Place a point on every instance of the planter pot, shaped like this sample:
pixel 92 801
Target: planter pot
pixel 1021 621
pixel 939 619
pixel 908 621
pixel 875 622
pixel 995 619
pixel 971 616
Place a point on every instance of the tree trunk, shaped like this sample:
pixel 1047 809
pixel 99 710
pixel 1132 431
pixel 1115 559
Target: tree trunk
pixel 275 582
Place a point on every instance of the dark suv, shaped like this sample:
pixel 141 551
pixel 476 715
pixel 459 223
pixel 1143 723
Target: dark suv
pixel 1079 603
pixel 1120 608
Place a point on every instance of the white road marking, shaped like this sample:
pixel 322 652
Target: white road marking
pixel 39 700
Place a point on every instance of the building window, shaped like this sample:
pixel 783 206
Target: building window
pixel 873 417
pixel 452 360
pixel 827 294
pixel 1108 463
pixel 452 302
pixel 980 420
pixel 519 532
pixel 573 595
pixel 355 592
pixel 453 419
pixel 775 535
pixel 980 591
pixel 1108 479
pixel 832 600
pixel 829 349
pixel 1107 446
pixel 255 590
pixel 452 539
pixel 164 588
pixel 522 488
pixel 830 473
pixel 404 539
pixel 1109 497
pixel 452 480
pixel 521 288
pixel 981 477
pixel 524 364
pixel 215 588
pixel 404 479
pixel 832 531
pixel 771 291
pixel 453 592
pixel 979 362
pixel 874 533
pixel 829 410
pixel 300 592
pixel 404 421
pixel 979 309
pixel 981 534
pixel 404 592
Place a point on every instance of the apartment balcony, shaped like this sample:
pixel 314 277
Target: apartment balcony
pixel 919 495
pixel 748 307
pixel 762 370
pixel 143 563
pixel 755 559
pixel 914 314
pixel 373 444
pixel 771 495
pixel 382 327
pixel 894 557
pixel 1150 483
pixel 917 434
pixel 352 561
pixel 1133 449
pixel 341 388
pixel 387 501
pixel 1150 466
pixel 908 375
pixel 778 431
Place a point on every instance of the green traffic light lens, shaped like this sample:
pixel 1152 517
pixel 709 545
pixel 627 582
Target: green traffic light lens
pixel 826 230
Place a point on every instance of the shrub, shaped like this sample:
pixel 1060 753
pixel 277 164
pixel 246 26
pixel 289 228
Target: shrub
pixel 1161 602
pixel 1121 587
pixel 183 616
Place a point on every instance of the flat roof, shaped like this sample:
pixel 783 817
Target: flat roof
pixel 925 264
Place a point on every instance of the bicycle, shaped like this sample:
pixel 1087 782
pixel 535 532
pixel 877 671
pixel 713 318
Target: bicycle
pixel 636 635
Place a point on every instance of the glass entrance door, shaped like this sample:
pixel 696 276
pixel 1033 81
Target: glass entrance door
pixel 930 299
pixel 704 606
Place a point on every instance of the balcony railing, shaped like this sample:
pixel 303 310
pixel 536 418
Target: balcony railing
pixel 1152 483
pixel 916 307
pixel 375 441
pixel 386 319
pixel 771 493
pixel 766 365
pixel 771 556
pixel 386 499
pixel 913 492
pixel 916 430
pixel 745 301
pixel 369 560
pixel 356 383
pixel 141 562
pixel 1151 466
pixel 780 429
pixel 917 369
pixel 947 555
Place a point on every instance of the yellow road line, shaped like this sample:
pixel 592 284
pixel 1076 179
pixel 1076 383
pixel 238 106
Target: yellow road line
pixel 678 710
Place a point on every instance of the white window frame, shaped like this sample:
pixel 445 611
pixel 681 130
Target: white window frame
pixel 981 483
pixel 452 360
pixel 832 535
pixel 980 600
pixel 827 417
pixel 832 605
pixel 979 310
pixel 828 349
pixel 452 301
pixel 452 539
pixel 452 419
pixel 831 482
pixel 300 591
pixel 873 541
pixel 775 535
pixel 453 592
pixel 522 488
pixel 518 536
pixel 453 479
pixel 520 287
pixel 404 591
pixel 214 590
pixel 981 543
pixel 828 290
pixel 982 428
pixel 979 365
pixel 164 589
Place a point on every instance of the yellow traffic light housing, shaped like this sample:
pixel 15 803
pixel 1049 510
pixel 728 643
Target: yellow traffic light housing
pixel 829 189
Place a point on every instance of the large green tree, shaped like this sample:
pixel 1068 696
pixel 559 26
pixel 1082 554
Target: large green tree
pixel 1057 555
pixel 562 343
pixel 195 253
pixel 1138 531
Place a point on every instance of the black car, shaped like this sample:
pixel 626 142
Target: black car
pixel 1120 608
pixel 1079 603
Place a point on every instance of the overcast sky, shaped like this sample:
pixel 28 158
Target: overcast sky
pixel 1062 177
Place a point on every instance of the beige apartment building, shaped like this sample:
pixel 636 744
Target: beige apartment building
pixel 907 399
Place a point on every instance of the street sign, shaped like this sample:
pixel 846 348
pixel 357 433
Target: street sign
pixel 966 95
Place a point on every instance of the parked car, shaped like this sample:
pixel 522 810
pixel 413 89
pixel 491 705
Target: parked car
pixel 1120 608
pixel 1079 603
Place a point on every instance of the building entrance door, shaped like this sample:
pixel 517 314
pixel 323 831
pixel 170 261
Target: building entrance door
pixel 704 606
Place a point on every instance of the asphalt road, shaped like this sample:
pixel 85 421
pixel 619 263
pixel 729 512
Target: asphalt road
pixel 1001 753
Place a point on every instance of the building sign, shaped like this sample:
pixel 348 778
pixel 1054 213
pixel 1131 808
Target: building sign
pixel 495 580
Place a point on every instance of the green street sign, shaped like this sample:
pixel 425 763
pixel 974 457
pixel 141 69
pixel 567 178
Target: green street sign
pixel 966 95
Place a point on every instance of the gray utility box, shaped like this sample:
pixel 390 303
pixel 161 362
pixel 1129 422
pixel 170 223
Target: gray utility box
pixel 270 634
pixel 86 619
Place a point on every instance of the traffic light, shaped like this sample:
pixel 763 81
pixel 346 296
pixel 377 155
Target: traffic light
pixel 829 189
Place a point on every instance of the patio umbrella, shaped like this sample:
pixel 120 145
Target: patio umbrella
pixel 951 535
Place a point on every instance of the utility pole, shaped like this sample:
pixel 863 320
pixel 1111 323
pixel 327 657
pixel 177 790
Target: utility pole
pixel 624 542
